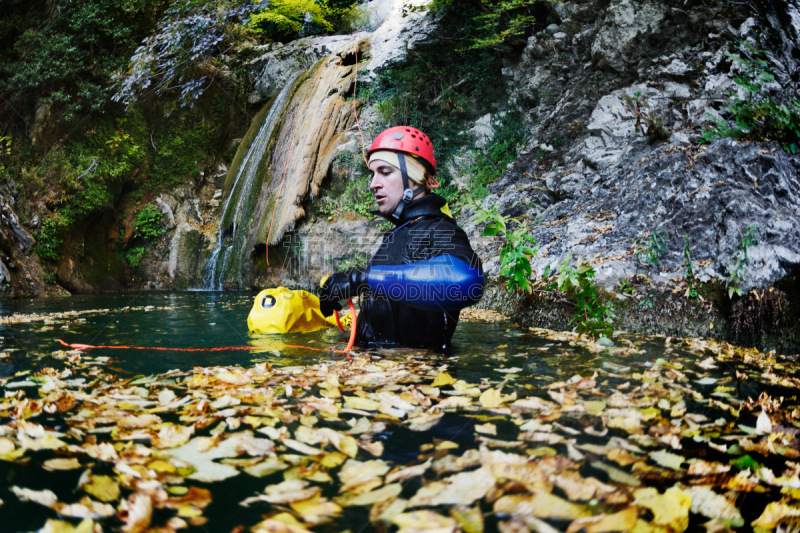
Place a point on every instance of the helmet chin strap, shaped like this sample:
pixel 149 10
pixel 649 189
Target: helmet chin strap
pixel 408 194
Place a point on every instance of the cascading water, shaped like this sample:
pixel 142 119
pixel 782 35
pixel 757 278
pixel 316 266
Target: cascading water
pixel 236 215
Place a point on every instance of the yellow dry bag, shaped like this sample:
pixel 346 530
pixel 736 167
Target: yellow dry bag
pixel 281 310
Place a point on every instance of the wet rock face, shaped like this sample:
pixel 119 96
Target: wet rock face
pixel 281 64
pixel 21 272
pixel 627 158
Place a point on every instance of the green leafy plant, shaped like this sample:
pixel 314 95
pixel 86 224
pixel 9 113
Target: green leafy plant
pixel 150 223
pixel 134 255
pixel 648 249
pixel 646 122
pixel 519 245
pixel 626 288
pixel 591 316
pixel 740 258
pixel 757 116
pixel 490 162
pixel 49 277
pixel 691 291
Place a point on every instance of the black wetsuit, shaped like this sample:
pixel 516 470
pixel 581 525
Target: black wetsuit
pixel 389 316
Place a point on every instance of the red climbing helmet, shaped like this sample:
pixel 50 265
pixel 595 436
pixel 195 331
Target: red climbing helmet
pixel 407 140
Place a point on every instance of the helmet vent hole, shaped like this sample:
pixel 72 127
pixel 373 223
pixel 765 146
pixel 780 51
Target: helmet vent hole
pixel 416 148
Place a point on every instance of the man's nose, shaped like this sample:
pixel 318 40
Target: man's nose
pixel 375 184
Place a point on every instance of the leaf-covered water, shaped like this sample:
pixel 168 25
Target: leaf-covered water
pixel 515 430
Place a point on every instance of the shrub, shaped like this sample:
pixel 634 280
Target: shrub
pixel 150 224
pixel 757 116
pixel 590 314
pixel 519 245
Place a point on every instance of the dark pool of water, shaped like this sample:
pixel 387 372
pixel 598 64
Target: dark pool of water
pixel 217 319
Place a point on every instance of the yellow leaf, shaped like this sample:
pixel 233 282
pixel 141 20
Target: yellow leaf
pixel 61 464
pixel 333 459
pixel 670 510
pixel 624 520
pixel 470 519
pixel 775 513
pixel 172 435
pixel 486 429
pixel 442 380
pixel 540 505
pixel 423 521
pixel 316 510
pixel 104 488
pixel 59 526
pixel 364 404
pixel 383 493
pixel 492 398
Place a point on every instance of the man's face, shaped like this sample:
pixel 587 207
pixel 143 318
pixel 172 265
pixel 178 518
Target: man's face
pixel 386 186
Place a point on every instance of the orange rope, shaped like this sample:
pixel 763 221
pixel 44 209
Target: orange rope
pixel 339 322
pixel 352 326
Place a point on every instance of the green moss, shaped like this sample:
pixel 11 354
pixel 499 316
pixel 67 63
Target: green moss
pixel 247 142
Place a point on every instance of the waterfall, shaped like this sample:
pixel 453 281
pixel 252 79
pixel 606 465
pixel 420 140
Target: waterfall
pixel 238 210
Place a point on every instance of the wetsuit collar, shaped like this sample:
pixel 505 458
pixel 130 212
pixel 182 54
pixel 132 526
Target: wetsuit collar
pixel 429 205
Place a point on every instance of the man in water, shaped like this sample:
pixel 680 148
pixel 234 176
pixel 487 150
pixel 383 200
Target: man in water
pixel 425 271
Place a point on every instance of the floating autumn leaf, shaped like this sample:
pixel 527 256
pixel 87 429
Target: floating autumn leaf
pixel 777 513
pixel 712 505
pixel 408 472
pixel 443 380
pixel 6 446
pixel 233 376
pixel 344 443
pixel 139 422
pixel 667 460
pixel 266 467
pixel 486 429
pixel 670 510
pixel 291 490
pixel 540 505
pixel 357 402
pixel 316 510
pixel 172 435
pixel 533 478
pixel 59 526
pixel 135 512
pixel 280 523
pixel 580 488
pixel 763 424
pixel 59 463
pixel 104 488
pixel 85 508
pixel 368 498
pixel 355 473
pixel 624 520
pixel 492 398
pixel 622 457
pixel 424 520
pixel 42 497
pixel 460 489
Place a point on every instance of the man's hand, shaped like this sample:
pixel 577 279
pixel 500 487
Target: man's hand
pixel 341 286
